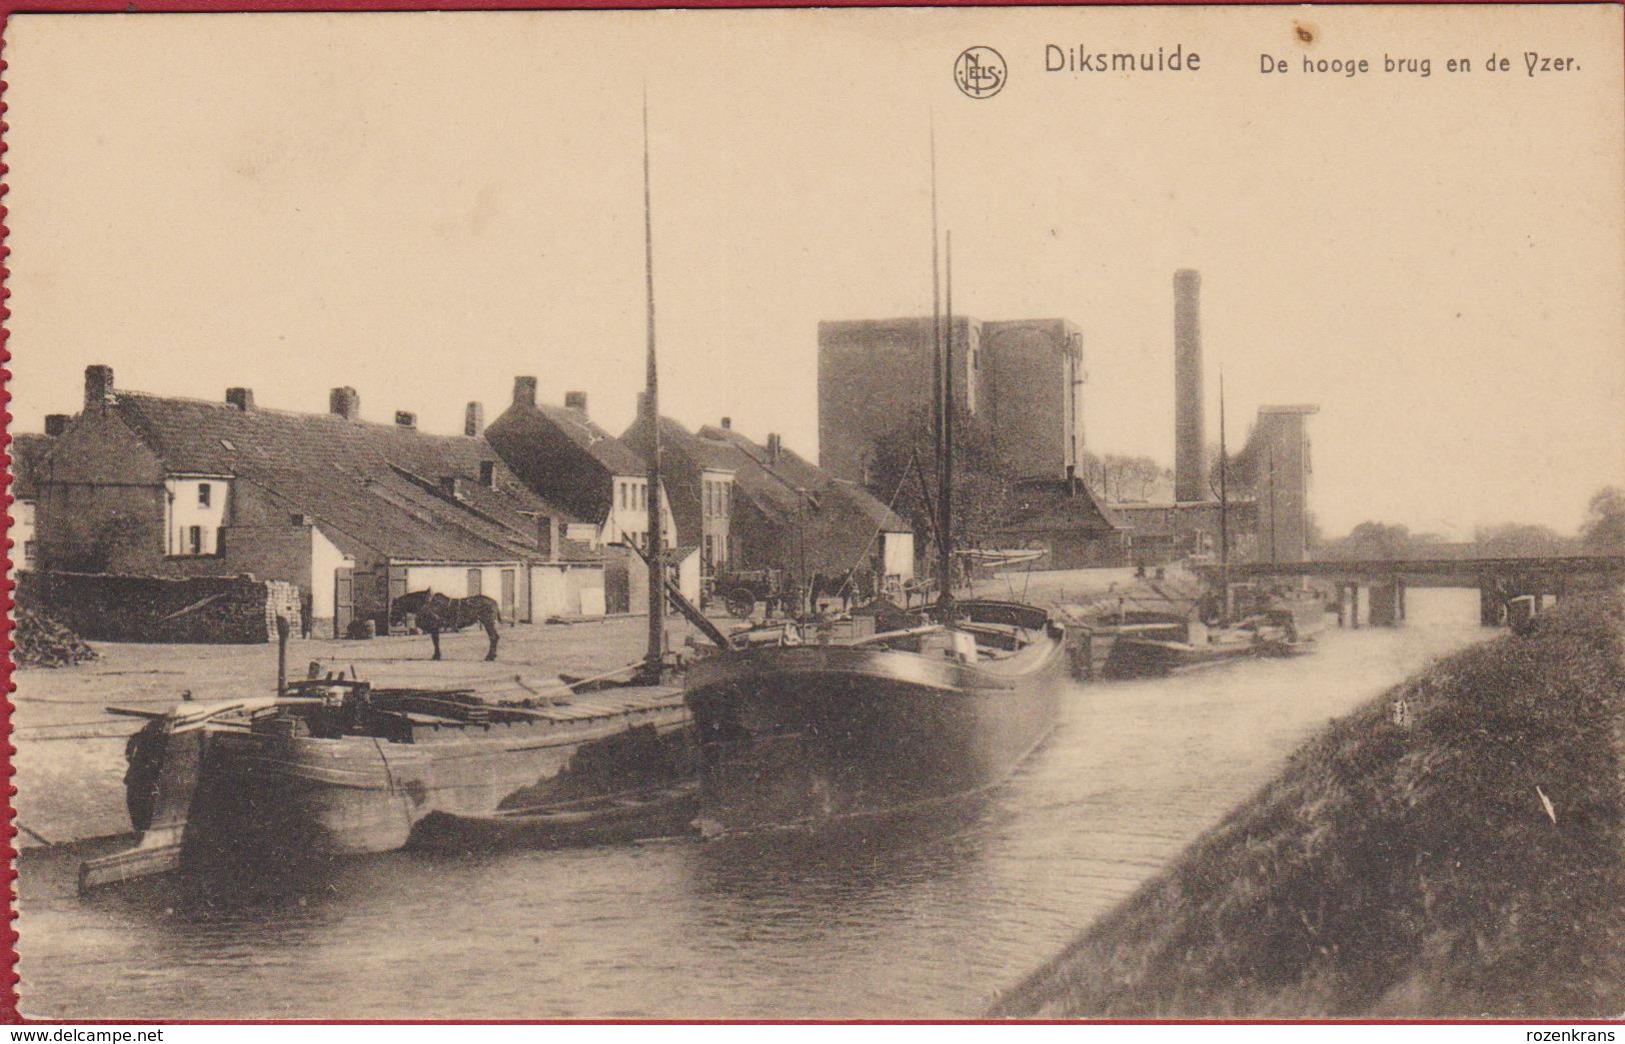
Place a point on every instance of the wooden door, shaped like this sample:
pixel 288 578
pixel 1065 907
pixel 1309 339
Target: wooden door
pixel 510 581
pixel 397 588
pixel 343 601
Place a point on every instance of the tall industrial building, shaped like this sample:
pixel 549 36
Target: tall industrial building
pixel 1023 377
pixel 1280 448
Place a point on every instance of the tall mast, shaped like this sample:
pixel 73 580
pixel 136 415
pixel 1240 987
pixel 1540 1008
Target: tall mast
pixel 945 478
pixel 1224 506
pixel 651 406
pixel 1272 502
pixel 1224 492
pixel 936 354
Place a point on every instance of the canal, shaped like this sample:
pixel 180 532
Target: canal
pixel 922 919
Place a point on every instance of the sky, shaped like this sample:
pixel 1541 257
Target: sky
pixel 423 206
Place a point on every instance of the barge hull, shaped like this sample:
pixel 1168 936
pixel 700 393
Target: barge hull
pixel 359 795
pixel 801 736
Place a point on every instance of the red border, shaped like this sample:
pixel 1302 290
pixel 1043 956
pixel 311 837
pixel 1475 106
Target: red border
pixel 9 1014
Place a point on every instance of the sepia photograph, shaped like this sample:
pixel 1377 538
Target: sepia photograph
pixel 1024 513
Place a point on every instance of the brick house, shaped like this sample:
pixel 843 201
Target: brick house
pixel 752 506
pixel 27 451
pixel 354 513
pixel 562 455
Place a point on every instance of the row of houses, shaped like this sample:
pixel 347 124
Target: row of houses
pixel 543 510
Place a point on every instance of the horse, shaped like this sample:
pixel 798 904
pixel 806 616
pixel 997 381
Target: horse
pixel 435 613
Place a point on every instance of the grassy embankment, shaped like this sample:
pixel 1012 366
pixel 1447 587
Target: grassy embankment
pixel 1404 863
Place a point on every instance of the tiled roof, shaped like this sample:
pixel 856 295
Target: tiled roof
pixel 367 485
pixel 26 451
pixel 782 489
pixel 609 451
pixel 391 516
pixel 191 435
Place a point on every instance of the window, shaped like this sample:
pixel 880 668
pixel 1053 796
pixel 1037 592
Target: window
pixel 194 540
pixel 205 493
pixel 622 486
pixel 488 474
pixel 473 583
pixel 30 556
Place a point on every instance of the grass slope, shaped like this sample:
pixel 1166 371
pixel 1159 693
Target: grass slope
pixel 1403 864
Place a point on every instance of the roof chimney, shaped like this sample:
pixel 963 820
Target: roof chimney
pixel 56 424
pixel 524 391
pixel 345 402
pixel 727 423
pixel 775 447
pixel 576 400
pixel 474 420
pixel 242 398
pixel 98 385
pixel 405 419
pixel 1190 458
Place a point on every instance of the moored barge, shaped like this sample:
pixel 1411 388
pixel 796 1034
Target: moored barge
pixel 796 735
pixel 336 767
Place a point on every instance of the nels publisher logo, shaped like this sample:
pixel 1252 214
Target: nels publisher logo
pixel 980 72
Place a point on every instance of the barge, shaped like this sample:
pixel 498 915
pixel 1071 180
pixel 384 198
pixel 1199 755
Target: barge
pixel 334 766
pixel 795 735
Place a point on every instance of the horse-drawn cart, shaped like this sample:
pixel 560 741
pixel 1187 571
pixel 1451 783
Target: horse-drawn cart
pixel 740 590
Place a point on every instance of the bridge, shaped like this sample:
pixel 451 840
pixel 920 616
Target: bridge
pixel 1497 579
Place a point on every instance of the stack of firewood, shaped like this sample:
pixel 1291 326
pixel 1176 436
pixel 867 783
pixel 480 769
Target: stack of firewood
pixel 39 641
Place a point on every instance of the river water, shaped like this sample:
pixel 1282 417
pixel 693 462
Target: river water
pixel 921 919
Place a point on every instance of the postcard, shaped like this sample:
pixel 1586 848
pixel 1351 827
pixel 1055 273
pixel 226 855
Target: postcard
pixel 818 514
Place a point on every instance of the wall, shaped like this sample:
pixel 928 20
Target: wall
pixel 897 555
pixel 632 521
pixel 637 581
pixel 550 592
pixel 590 591
pixel 22 534
pixel 873 374
pixel 1035 394
pixel 716 509
pixel 325 560
pixel 182 511
pixel 106 607
pixel 86 528
pixel 452 581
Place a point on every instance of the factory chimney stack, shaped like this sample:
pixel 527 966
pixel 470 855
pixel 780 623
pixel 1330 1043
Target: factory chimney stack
pixel 1190 457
